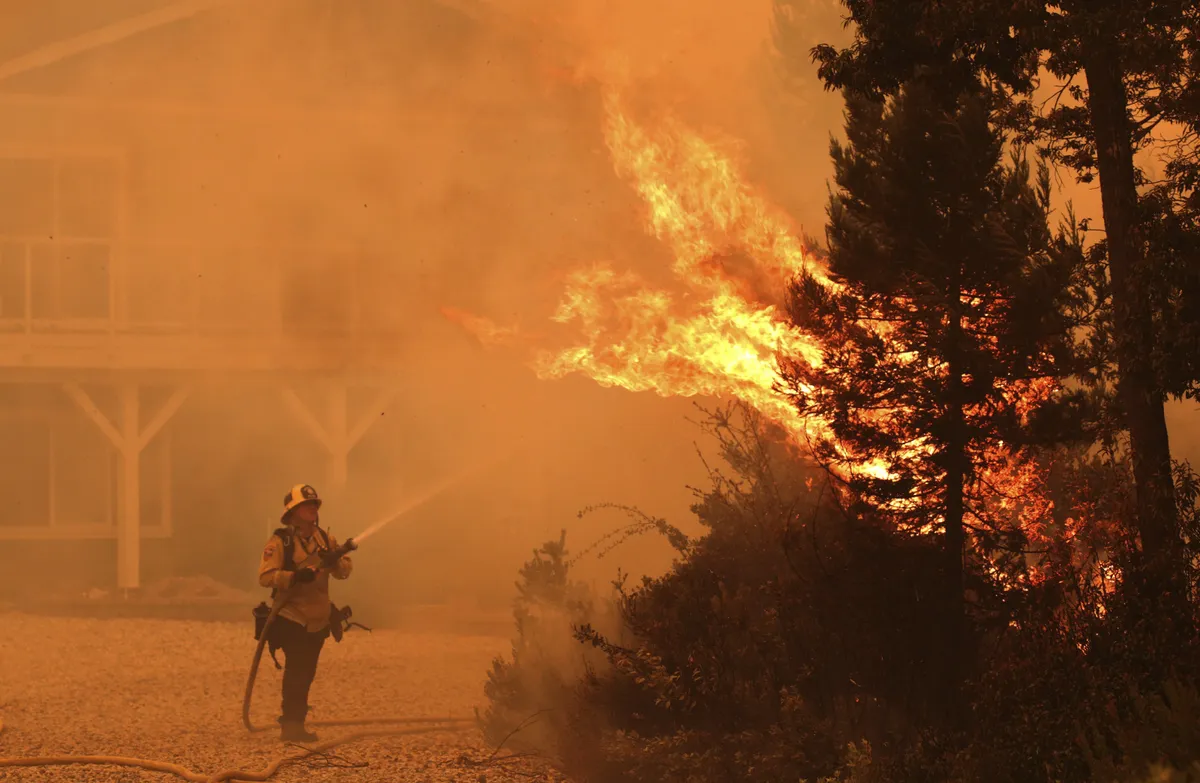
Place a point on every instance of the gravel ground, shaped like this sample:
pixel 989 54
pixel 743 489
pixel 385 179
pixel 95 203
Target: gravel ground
pixel 171 690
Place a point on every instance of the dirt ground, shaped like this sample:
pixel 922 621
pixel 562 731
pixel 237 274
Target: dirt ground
pixel 172 690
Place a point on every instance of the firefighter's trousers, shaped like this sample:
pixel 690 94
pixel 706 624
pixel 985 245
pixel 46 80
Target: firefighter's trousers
pixel 301 649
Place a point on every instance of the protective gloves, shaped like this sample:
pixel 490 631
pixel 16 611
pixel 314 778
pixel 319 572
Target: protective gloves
pixel 329 558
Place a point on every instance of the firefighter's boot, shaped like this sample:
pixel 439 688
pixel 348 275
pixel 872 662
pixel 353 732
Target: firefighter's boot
pixel 294 731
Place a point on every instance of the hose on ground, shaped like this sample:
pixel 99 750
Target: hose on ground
pixel 431 725
pixel 217 777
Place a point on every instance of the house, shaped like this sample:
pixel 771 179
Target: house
pixel 217 216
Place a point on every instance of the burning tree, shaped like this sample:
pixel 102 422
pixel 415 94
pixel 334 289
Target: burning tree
pixel 956 215
pixel 913 356
pixel 1138 61
pixel 948 328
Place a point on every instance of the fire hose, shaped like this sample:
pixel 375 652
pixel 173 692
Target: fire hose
pixel 417 725
pixel 281 599
pixel 350 545
pixel 420 724
pixel 277 604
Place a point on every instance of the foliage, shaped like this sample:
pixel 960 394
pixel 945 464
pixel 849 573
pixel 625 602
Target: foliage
pixel 1139 62
pixel 1172 241
pixel 1075 688
pixel 952 47
pixel 954 304
pixel 757 657
pixel 777 640
pixel 794 642
pixel 528 694
pixel 803 637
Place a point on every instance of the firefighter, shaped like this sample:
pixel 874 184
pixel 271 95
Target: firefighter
pixel 303 623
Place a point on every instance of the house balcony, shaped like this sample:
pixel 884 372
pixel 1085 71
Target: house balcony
pixel 94 304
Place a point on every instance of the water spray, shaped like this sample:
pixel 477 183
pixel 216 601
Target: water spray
pixel 417 501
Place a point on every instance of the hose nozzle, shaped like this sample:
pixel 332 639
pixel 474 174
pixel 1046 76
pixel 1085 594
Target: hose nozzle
pixel 330 557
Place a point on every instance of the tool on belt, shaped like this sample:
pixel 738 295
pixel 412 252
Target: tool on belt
pixel 339 623
pixel 339 618
pixel 263 620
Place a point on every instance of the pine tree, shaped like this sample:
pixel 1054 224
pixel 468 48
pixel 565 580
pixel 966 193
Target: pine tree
pixel 1171 220
pixel 952 309
pixel 1136 59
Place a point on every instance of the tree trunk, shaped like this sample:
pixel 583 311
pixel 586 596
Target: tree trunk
pixel 955 538
pixel 1139 393
pixel 958 653
pixel 956 466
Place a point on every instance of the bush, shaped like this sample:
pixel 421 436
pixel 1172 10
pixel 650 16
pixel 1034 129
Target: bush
pixel 757 656
pixel 795 641
pixel 530 694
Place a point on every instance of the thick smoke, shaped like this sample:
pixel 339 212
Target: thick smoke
pixel 292 164
pixel 284 162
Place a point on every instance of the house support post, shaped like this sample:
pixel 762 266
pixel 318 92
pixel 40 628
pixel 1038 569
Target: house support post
pixel 130 439
pixel 336 435
pixel 129 500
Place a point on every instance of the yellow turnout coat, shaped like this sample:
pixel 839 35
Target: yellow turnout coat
pixel 307 604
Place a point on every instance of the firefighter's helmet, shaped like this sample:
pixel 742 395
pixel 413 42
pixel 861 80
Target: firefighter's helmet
pixel 301 493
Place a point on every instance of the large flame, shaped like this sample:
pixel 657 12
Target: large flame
pixel 715 333
pixel 718 329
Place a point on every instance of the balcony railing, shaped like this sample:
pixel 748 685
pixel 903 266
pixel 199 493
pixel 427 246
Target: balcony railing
pixel 332 302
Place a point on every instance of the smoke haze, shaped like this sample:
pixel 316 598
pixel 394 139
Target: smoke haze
pixel 300 165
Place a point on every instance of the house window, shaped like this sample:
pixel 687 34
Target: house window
pixel 12 284
pixel 25 469
pixel 317 293
pixel 57 235
pixel 83 470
